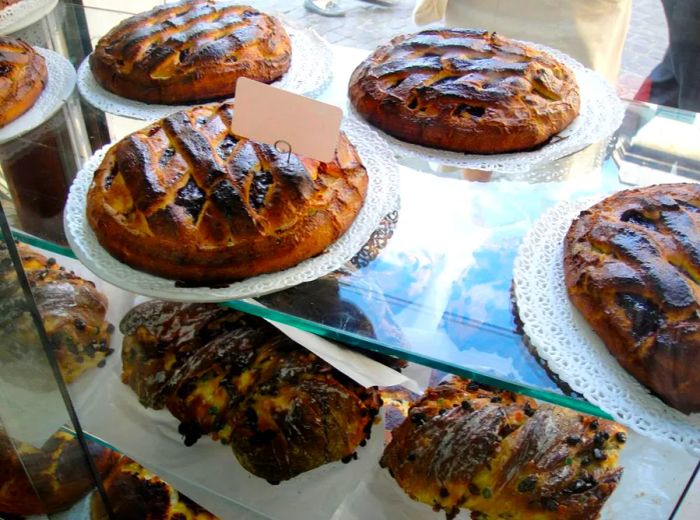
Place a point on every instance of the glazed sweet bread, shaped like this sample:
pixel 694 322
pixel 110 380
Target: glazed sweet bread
pixel 237 379
pixel 632 268
pixel 465 91
pixel 23 76
pixel 134 493
pixel 72 309
pixel 59 475
pixel 190 51
pixel 465 445
pixel 186 199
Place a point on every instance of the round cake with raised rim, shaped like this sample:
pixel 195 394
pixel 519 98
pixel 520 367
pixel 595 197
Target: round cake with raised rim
pixel 190 51
pixel 465 91
pixel 23 76
pixel 186 199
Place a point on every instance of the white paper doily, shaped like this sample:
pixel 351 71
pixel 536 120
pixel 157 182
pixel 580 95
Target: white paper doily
pixel 600 114
pixel 308 74
pixel 572 349
pixel 23 14
pixel 61 80
pixel 382 197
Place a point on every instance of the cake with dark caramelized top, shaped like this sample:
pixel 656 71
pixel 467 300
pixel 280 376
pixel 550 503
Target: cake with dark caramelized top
pixel 499 454
pixel 236 378
pixel 186 199
pixel 632 267
pixel 465 91
pixel 190 51
pixel 23 76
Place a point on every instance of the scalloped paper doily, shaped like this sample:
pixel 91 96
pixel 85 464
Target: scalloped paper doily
pixel 572 349
pixel 23 14
pixel 60 84
pixel 308 75
pixel 382 198
pixel 600 114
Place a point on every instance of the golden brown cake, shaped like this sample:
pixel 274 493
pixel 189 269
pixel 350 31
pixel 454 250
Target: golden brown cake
pixel 632 268
pixel 72 310
pixel 23 76
pixel 465 91
pixel 238 379
pixel 499 454
pixel 59 474
pixel 186 199
pixel 190 51
pixel 135 493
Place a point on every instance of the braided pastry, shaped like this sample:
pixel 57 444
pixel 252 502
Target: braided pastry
pixel 502 456
pixel 190 51
pixel 23 76
pixel 72 310
pixel 58 472
pixel 236 378
pixel 632 267
pixel 186 199
pixel 135 493
pixel 465 91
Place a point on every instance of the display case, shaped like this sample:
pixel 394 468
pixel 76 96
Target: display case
pixel 452 280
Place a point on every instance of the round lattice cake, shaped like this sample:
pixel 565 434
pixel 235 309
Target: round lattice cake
pixel 465 91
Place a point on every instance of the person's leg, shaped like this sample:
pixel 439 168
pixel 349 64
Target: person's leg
pixel 663 87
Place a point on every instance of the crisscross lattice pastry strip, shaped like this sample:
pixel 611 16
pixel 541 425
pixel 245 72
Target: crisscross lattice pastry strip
pixel 466 91
pixel 23 76
pixel 184 198
pixel 632 265
pixel 190 51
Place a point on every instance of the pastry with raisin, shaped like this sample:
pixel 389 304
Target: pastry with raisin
pixel 23 76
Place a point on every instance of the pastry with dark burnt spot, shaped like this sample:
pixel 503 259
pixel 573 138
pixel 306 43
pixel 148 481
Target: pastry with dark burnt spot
pixel 72 310
pixel 632 268
pixel 135 493
pixel 190 51
pixel 23 76
pixel 236 378
pixel 500 455
pixel 465 91
pixel 186 199
pixel 49 479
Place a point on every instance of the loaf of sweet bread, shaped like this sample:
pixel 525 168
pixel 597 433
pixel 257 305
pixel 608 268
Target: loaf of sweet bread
pixel 193 50
pixel 238 379
pixel 186 199
pixel 499 454
pixel 632 268
pixel 23 76
pixel 465 91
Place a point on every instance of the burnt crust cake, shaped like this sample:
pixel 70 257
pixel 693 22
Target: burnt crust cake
pixel 238 379
pixel 499 454
pixel 23 76
pixel 190 51
pixel 135 493
pixel 632 268
pixel 59 475
pixel 465 91
pixel 186 199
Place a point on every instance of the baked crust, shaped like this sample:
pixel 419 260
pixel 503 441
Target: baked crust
pixel 465 91
pixel 135 493
pixel 190 51
pixel 632 268
pixel 238 379
pixel 503 456
pixel 59 475
pixel 186 199
pixel 23 76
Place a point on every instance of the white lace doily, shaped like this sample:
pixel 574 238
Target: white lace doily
pixel 382 198
pixel 61 80
pixel 571 349
pixel 308 75
pixel 23 14
pixel 600 114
